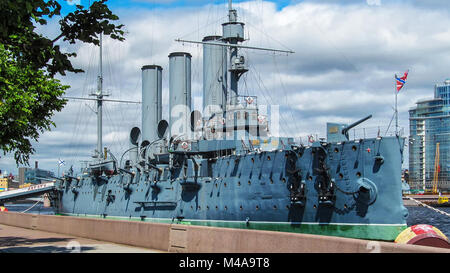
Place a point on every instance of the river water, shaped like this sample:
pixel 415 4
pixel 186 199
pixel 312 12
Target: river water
pixel 423 215
pixel 417 215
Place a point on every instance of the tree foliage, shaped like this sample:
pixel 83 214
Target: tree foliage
pixel 29 61
pixel 27 100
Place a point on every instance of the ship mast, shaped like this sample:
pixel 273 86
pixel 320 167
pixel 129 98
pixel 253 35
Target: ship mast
pixel 233 34
pixel 99 96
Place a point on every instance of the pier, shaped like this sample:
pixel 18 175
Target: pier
pixel 103 235
pixel 37 190
pixel 22 240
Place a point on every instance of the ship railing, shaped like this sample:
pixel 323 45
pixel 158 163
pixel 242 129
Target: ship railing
pixel 372 132
pixel 246 101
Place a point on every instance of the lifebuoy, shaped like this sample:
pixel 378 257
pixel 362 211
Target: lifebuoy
pixel 184 145
pixel 261 119
pixel 249 100
pixel 310 139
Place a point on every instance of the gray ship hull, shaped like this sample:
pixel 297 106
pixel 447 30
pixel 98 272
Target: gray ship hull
pixel 273 190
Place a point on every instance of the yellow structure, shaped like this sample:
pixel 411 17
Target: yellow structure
pixel 442 200
pixel 436 169
pixel 7 184
pixel 4 184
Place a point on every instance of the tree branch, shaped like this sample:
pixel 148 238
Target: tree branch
pixel 57 38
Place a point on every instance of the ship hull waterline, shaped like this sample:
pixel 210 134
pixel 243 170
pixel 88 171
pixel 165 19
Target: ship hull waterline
pixel 380 232
pixel 252 191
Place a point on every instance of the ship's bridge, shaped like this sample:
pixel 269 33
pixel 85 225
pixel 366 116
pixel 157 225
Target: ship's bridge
pixel 240 119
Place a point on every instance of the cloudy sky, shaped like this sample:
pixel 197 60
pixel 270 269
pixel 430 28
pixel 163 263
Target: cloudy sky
pixel 346 55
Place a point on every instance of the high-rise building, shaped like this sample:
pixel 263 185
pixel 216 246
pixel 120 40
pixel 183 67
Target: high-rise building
pixel 429 141
pixel 22 175
pixel 37 176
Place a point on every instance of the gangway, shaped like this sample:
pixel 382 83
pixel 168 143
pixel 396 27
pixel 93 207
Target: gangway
pixel 27 192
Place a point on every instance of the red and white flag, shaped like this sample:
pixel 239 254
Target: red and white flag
pixel 401 81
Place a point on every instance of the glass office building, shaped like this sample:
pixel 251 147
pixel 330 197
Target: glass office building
pixel 38 176
pixel 429 141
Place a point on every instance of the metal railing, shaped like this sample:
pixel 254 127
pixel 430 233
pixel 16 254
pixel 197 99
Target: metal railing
pixel 371 132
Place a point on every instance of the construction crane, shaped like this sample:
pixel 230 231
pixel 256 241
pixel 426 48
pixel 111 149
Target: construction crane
pixel 437 169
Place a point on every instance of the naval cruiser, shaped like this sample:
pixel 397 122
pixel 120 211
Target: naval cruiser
pixel 226 168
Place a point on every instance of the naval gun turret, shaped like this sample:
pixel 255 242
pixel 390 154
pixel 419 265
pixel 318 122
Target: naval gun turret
pixel 338 132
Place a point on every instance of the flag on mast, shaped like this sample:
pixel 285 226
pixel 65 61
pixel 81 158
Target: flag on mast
pixel 61 162
pixel 401 81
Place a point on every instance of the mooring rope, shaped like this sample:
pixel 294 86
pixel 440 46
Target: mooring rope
pixel 425 205
pixel 33 205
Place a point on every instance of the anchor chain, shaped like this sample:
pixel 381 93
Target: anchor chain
pixel 295 186
pixel 325 183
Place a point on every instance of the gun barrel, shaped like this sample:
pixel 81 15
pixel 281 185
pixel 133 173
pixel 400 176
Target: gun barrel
pixel 346 129
pixel 72 177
